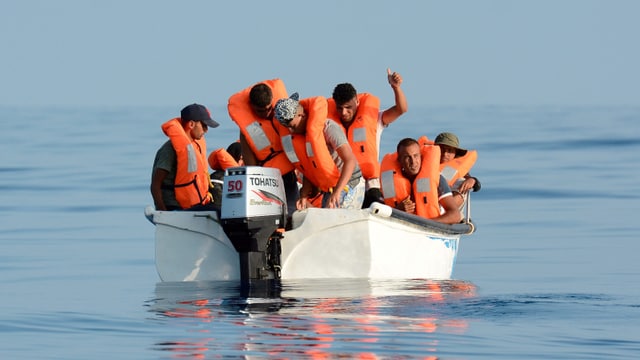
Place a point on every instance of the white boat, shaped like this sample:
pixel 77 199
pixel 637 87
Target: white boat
pixel 245 240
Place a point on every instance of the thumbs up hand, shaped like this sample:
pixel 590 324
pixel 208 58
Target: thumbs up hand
pixel 394 78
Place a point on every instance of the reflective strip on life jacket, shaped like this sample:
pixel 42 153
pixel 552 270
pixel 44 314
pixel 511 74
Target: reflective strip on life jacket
pixel 458 167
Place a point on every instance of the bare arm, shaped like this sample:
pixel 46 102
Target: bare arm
pixel 247 155
pixel 469 183
pixel 349 164
pixel 391 114
pixel 305 192
pixel 476 184
pixel 451 211
pixel 156 188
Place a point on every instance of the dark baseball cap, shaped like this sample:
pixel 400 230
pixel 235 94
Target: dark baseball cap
pixel 197 112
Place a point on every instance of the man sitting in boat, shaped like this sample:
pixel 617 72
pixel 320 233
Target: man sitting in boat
pixel 180 179
pixel 319 149
pixel 411 182
pixel 455 163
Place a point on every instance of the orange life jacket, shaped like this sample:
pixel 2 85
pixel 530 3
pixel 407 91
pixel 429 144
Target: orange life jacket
pixel 220 159
pixel 263 136
pixel 192 180
pixel 455 169
pixel 362 133
pixel 423 191
pixel 424 140
pixel 309 152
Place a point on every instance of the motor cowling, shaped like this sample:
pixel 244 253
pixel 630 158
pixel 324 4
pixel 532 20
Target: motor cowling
pixel 254 207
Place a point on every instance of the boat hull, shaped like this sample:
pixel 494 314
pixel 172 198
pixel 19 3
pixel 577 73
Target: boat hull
pixel 324 243
pixel 192 246
pixel 339 243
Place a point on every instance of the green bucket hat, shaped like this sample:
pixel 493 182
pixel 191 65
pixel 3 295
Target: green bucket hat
pixel 450 139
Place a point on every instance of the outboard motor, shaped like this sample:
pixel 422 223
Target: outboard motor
pixel 254 207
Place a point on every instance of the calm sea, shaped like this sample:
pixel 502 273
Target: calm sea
pixel 552 271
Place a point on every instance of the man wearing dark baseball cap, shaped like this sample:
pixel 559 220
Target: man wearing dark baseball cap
pixel 197 112
pixel 180 176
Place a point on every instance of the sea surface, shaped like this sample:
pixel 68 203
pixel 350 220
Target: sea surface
pixel 552 272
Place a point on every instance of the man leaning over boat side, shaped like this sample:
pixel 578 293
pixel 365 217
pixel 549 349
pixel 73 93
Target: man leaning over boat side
pixel 180 178
pixel 252 110
pixel 363 123
pixel 411 182
pixel 320 151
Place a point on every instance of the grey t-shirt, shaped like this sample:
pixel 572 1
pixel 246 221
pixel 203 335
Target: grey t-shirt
pixel 166 160
pixel 443 188
pixel 335 137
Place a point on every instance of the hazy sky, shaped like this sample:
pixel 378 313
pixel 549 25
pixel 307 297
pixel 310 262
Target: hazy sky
pixel 172 53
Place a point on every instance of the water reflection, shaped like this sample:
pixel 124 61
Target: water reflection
pixel 312 318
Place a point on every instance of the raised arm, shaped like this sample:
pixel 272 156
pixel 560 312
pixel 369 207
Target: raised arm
pixel 391 114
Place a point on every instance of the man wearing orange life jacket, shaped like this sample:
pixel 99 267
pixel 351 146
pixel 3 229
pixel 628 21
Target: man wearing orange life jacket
pixel 454 159
pixel 252 110
pixel 363 123
pixel 179 179
pixel 319 149
pixel 411 182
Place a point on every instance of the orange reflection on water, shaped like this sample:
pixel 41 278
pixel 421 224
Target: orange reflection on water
pixel 321 327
